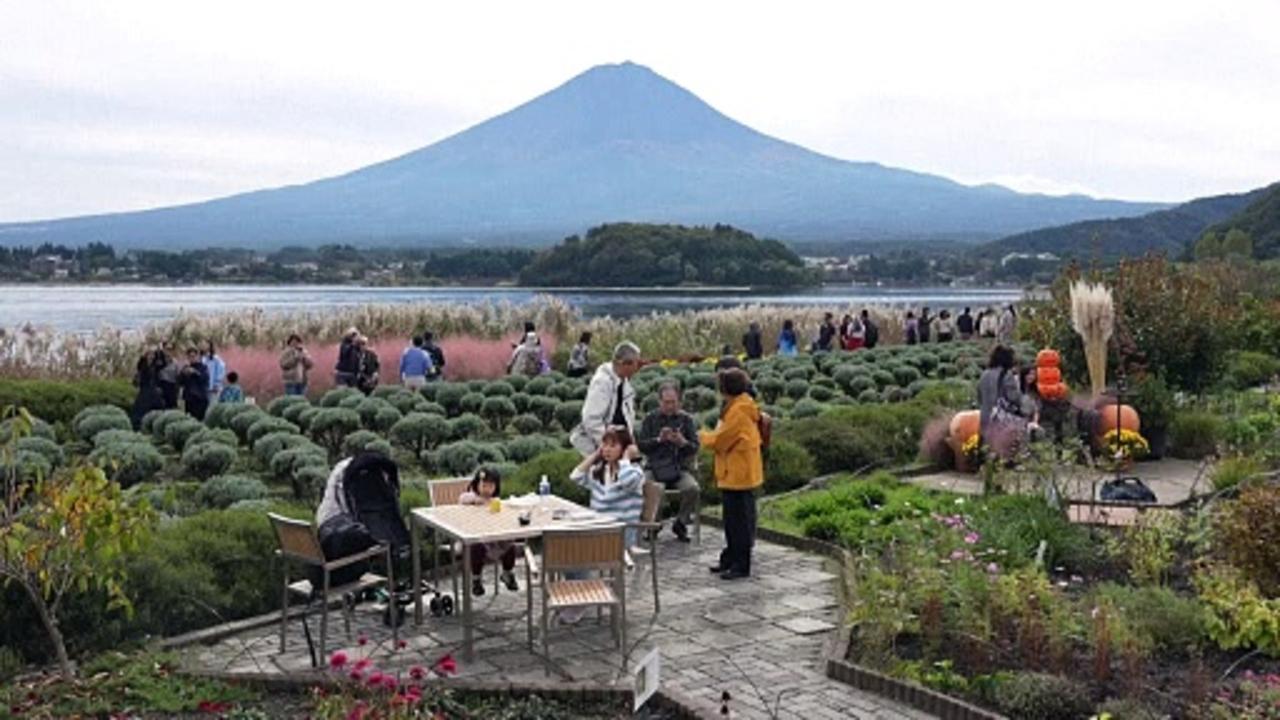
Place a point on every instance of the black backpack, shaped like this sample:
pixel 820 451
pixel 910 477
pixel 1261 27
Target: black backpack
pixel 1129 489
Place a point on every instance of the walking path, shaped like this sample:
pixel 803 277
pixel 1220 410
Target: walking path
pixel 1171 480
pixel 762 639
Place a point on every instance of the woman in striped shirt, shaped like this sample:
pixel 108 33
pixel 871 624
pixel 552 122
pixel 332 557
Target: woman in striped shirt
pixel 615 482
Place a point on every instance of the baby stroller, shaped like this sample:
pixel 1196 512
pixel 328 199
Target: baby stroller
pixel 361 508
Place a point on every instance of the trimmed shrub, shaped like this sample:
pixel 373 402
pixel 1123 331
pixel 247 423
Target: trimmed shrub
pixel 305 416
pixel 308 481
pixel 471 402
pixel 1161 618
pixel 365 441
pixel 102 417
pixel 904 375
pixel 241 422
pixel 521 402
pixel 698 399
pixel 1041 696
pixel 895 394
pixel 428 391
pixel 517 382
pixel 869 396
pixel 460 458
pixel 60 401
pixel 331 425
pixel 420 432
pixel 499 388
pixel 524 449
pixel 787 466
pixel 544 408
pixel 797 389
pixel 156 421
pixel 114 437
pixel 39 428
pixel 406 402
pixel 1247 369
pixel 351 402
pixel 267 446
pixel 882 379
pixel 556 465
pixel 225 490
pixel 526 424
pixel 128 463
pixel 213 435
pixel 1195 434
pixel 432 408
pixel 220 414
pixel 538 386
pixel 278 406
pixel 702 380
pixel 335 396
pixel 289 460
pixel 569 414
pixel 45 447
pixel 498 410
pixel 27 465
pixel 266 426
pixel 177 432
pixel 806 408
pixel 770 387
pixel 377 415
pixel 821 394
pixel 206 460
pixel 466 426
pixel 798 372
pixel 563 391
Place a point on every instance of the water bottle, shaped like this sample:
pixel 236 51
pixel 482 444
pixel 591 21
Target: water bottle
pixel 544 490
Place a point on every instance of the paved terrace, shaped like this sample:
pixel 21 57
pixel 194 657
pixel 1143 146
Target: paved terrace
pixel 756 638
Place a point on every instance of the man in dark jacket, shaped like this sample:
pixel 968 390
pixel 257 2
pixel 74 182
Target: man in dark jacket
pixel 925 320
pixel 826 333
pixel 437 356
pixel 193 378
pixel 871 331
pixel 347 371
pixel 964 325
pixel 668 438
pixel 753 342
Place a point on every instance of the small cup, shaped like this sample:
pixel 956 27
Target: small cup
pixel 525 518
pixel 495 505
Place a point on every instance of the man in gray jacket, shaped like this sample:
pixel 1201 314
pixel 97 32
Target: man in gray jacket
pixel 611 400
pixel 669 440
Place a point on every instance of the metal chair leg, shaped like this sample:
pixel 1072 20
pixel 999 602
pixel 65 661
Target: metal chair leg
pixel 324 618
pixel 284 605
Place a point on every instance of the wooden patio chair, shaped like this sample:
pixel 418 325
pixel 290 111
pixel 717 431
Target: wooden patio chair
pixel 447 492
pixel 601 550
pixel 299 544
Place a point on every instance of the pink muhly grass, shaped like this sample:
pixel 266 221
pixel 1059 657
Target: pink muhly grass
pixel 466 358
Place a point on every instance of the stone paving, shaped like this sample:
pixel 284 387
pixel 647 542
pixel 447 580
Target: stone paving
pixel 1171 480
pixel 762 639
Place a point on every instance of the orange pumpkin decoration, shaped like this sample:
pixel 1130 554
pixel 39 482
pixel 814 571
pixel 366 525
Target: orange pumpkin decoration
pixel 1048 376
pixel 964 425
pixel 1128 417
pixel 1054 391
pixel 1048 358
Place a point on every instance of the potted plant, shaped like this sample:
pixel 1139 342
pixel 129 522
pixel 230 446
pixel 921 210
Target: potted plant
pixel 1121 447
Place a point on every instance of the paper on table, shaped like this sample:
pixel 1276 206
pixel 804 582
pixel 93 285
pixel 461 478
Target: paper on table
pixel 523 501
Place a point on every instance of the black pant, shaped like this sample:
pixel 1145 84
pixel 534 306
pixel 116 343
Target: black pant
pixel 196 407
pixel 739 513
pixel 169 391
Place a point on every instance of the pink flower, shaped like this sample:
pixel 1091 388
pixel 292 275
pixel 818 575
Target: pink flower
pixel 993 568
pixel 357 712
pixel 375 679
pixel 356 674
pixel 402 644
pixel 363 663
pixel 417 672
pixel 957 554
pixel 446 665
pixel 390 682
pixel 338 660
pixel 362 640
pixel 972 538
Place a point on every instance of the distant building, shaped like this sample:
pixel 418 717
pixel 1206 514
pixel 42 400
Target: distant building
pixel 51 266
pixel 1042 257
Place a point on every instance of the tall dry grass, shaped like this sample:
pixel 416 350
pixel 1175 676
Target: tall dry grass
pixel 475 337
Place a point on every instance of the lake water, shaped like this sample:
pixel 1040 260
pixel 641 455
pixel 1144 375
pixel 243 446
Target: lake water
pixel 81 308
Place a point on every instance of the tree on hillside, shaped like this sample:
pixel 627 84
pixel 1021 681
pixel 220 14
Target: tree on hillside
pixel 1237 243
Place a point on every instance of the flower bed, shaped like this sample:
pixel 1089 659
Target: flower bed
pixel 1000 602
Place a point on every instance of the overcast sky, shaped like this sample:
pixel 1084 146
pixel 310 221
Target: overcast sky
pixel 108 106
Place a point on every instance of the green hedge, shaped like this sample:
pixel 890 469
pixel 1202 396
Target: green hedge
pixel 59 401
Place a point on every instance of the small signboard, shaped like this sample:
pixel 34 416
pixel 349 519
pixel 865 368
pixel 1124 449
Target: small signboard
pixel 646 678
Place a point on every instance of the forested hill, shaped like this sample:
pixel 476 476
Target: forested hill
pixel 643 255
pixel 1260 221
pixel 1169 231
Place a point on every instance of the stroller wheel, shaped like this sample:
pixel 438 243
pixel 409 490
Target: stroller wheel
pixel 391 614
pixel 446 604
pixel 434 607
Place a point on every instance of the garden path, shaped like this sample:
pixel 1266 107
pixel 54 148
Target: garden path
pixel 760 639
pixel 1171 480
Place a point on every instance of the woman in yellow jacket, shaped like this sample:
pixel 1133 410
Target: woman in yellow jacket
pixel 739 471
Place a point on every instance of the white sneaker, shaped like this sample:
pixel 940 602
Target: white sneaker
pixel 639 551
